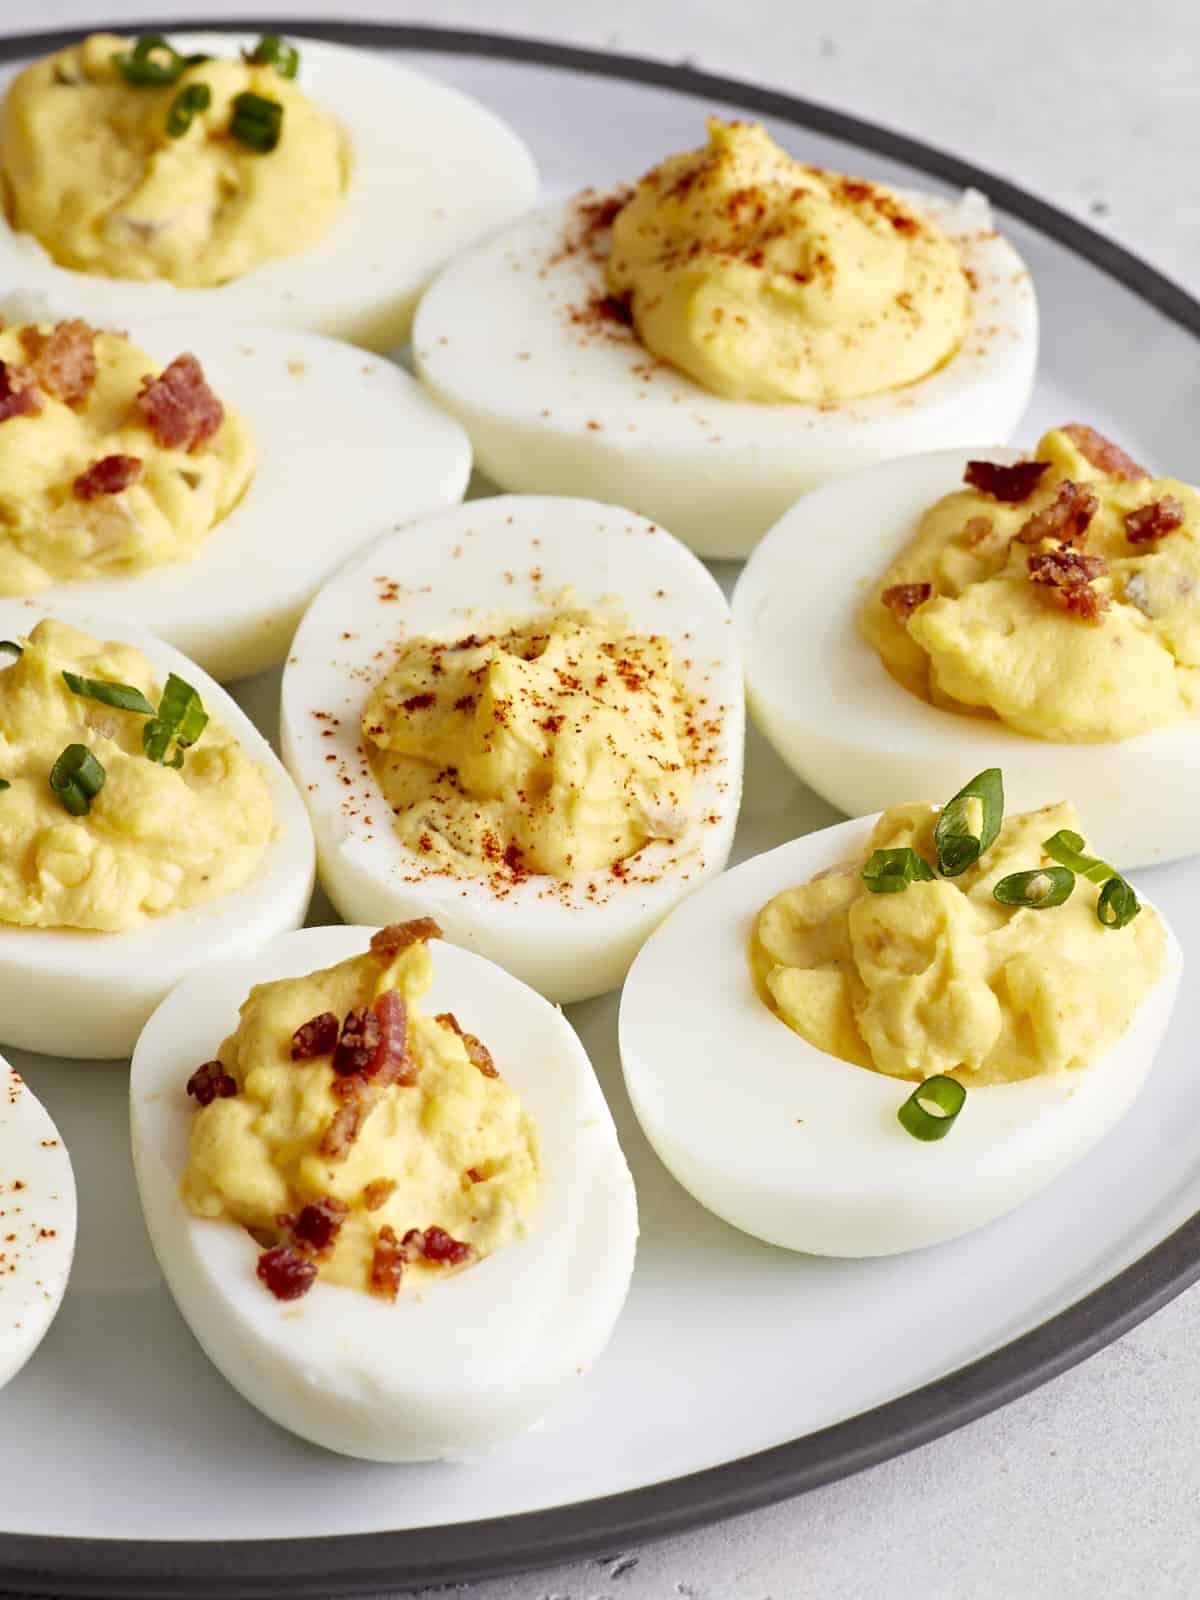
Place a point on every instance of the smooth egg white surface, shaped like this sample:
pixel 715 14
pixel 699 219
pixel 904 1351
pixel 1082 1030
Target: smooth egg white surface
pixel 466 570
pixel 822 696
pixel 37 1222
pixel 71 992
pixel 463 1364
pixel 559 402
pixel 432 170
pixel 349 446
pixel 803 1149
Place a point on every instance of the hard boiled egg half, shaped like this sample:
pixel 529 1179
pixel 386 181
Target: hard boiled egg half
pixel 444 1370
pixel 37 1222
pixel 518 339
pixel 86 993
pixel 346 447
pixel 463 573
pixel 804 1149
pixel 427 170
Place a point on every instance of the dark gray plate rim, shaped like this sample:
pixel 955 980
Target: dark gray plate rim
pixel 456 1553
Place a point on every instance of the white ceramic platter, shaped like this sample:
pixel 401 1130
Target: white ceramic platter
pixel 739 1373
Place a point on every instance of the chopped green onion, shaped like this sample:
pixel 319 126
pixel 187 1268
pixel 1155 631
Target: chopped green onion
pixel 969 823
pixel 891 871
pixel 256 122
pixel 180 720
pixel 931 1108
pixel 4 784
pixel 153 63
pixel 194 97
pixel 272 51
pixel 196 61
pixel 1044 886
pixel 1067 847
pixel 77 778
pixel 1117 905
pixel 12 648
pixel 121 695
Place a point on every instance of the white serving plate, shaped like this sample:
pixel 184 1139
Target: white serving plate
pixel 739 1373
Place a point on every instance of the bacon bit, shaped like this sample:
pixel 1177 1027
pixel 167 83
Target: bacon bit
pixel 1010 485
pixel 387 944
pixel 286 1273
pixel 902 599
pixel 1071 574
pixel 359 1042
pixel 378 1193
pixel 1066 518
pixel 343 1130
pixel 315 1228
pixel 477 1052
pixel 393 1062
pixel 387 1264
pixel 437 1245
pixel 316 1037
pixel 1102 453
pixel 64 360
pixel 19 394
pixel 475 1176
pixel 109 475
pixel 211 1082
pixel 976 530
pixel 178 407
pixel 1154 521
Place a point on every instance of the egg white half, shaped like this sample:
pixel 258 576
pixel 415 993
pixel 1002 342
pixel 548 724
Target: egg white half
pixel 71 992
pixel 37 1222
pixel 463 1364
pixel 464 570
pixel 558 404
pixel 349 446
pixel 432 170
pixel 824 699
pixel 803 1149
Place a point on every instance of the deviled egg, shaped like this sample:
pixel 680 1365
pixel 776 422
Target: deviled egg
pixel 203 480
pixel 1035 612
pixel 523 716
pixel 37 1222
pixel 931 1015
pixel 396 1238
pixel 736 329
pixel 145 828
pixel 280 183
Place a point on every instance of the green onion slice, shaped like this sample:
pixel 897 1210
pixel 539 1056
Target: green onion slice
pixel 153 63
pixel 12 648
pixel 891 871
pixel 194 97
pixel 1067 847
pixel 1044 886
pixel 969 823
pixel 930 1110
pixel 180 720
pixel 4 784
pixel 256 122
pixel 1117 905
pixel 77 778
pixel 121 695
pixel 273 51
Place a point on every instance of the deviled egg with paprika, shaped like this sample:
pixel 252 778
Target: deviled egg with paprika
pixel 898 1028
pixel 399 1237
pixel 145 828
pixel 1036 611
pixel 523 716
pixel 736 328
pixel 278 182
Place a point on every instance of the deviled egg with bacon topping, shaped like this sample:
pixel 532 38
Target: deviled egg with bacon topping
pixel 932 1014
pixel 281 182
pixel 523 716
pixel 202 481
pixel 145 827
pixel 1040 611
pixel 399 1238
pixel 735 329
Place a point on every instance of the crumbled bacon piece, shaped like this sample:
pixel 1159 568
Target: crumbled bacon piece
pixel 64 360
pixel 1071 574
pixel 316 1037
pixel 211 1082
pixel 902 599
pixel 477 1052
pixel 378 1192
pixel 19 394
pixel 387 944
pixel 475 1176
pixel 109 475
pixel 1082 601
pixel 387 1264
pixel 1066 518
pixel 1154 521
pixel 286 1273
pixel 315 1227
pixel 1010 485
pixel 976 529
pixel 178 407
pixel 1102 453
pixel 342 1130
pixel 355 1050
pixel 437 1245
